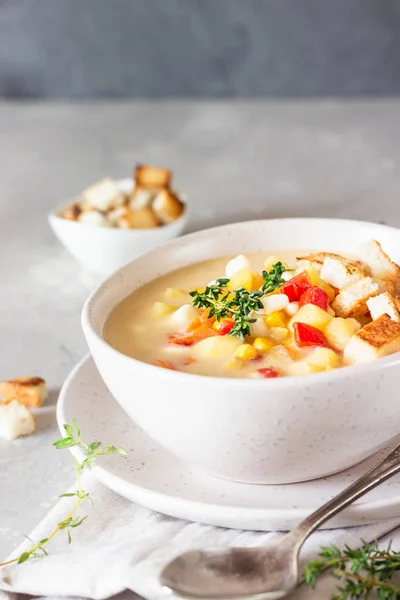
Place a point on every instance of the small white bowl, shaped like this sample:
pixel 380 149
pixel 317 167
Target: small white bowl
pixel 103 250
pixel 254 430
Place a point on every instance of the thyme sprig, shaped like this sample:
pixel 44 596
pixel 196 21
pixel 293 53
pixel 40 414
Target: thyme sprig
pixel 72 520
pixel 223 302
pixel 360 572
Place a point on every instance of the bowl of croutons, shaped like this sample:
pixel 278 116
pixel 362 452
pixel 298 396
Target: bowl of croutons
pixel 114 221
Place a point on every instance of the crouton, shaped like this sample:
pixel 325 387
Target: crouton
pixel 340 272
pixel 141 198
pixel 150 177
pixel 103 195
pixel 167 207
pixel 94 218
pixel 72 212
pixel 29 391
pixel 352 300
pixel 378 261
pixel 139 219
pixel 15 420
pixel 375 340
pixel 384 304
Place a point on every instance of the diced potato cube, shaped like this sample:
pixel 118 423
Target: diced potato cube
pixel 217 347
pixel 275 302
pixel 263 344
pixel 339 331
pixel 176 297
pixel 183 316
pixel 314 275
pixel 233 364
pixel 276 319
pixel 324 358
pixel 312 315
pixel 270 261
pixel 292 308
pixel 278 334
pixel 237 264
pixel 243 278
pixel 302 368
pixel 328 289
pixel 257 282
pixel 246 352
pixel 259 328
pixel 161 309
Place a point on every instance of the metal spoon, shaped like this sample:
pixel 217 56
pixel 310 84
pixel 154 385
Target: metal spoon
pixel 265 572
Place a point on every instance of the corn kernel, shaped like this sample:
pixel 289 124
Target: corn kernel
pixel 276 319
pixel 263 344
pixel 233 364
pixel 246 352
pixel 161 309
pixel 243 278
pixel 302 368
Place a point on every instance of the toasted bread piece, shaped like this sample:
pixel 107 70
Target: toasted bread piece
pixel 72 212
pixel 317 259
pixel 30 391
pixel 378 262
pixel 375 340
pixel 95 218
pixel 141 198
pixel 139 219
pixel 352 300
pixel 340 272
pixel 167 207
pixel 15 420
pixel 102 195
pixel 384 304
pixel 152 178
pixel 113 216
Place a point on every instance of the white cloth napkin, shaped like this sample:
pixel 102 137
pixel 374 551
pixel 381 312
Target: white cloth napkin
pixel 122 546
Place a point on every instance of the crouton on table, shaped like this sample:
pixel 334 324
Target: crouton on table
pixel 30 391
pixel 15 420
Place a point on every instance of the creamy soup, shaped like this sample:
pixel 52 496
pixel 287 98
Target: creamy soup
pixel 260 316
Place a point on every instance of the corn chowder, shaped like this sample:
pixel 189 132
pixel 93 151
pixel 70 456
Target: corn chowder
pixel 264 316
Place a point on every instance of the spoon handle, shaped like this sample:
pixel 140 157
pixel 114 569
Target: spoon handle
pixel 389 466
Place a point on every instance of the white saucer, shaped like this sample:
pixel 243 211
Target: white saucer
pixel 152 477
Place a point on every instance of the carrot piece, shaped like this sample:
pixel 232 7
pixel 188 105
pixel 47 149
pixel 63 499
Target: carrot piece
pixel 181 340
pixel 165 365
pixel 194 324
pixel 206 319
pixel 203 332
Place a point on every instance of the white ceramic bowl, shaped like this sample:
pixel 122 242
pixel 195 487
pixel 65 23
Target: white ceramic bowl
pixel 263 431
pixel 105 249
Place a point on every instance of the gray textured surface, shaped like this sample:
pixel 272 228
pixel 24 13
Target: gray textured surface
pixel 234 160
pixel 201 48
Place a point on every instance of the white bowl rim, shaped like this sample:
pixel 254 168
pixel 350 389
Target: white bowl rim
pixel 53 215
pixel 274 383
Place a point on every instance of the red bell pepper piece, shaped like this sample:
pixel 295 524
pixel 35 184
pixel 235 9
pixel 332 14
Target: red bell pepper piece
pixel 226 327
pixel 268 372
pixel 296 286
pixel 307 335
pixel 315 295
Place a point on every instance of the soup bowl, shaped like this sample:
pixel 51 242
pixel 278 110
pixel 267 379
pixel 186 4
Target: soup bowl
pixel 280 430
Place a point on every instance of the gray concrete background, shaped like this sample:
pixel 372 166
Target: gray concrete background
pixel 199 48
